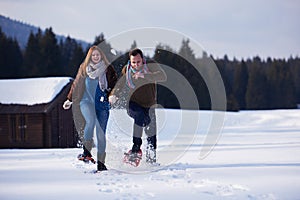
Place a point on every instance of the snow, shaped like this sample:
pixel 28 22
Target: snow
pixel 256 157
pixel 31 91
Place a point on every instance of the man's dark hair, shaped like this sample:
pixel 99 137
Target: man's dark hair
pixel 135 52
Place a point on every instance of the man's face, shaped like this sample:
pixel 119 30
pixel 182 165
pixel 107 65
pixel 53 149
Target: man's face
pixel 136 62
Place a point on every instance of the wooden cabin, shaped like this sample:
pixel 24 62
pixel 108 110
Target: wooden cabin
pixel 36 124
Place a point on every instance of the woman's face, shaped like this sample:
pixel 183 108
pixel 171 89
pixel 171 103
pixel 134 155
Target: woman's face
pixel 96 56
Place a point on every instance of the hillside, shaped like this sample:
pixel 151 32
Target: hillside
pixel 21 31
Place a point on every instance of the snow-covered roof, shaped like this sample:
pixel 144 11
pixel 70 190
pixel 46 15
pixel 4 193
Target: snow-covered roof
pixel 31 91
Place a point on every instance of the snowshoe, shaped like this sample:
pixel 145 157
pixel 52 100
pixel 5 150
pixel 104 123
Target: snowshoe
pixel 133 158
pixel 86 159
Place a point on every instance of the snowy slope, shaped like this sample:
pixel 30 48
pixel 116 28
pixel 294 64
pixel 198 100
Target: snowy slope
pixel 256 157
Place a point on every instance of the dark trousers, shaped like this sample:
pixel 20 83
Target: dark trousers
pixel 144 118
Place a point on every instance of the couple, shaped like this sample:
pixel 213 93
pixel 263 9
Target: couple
pixel 96 87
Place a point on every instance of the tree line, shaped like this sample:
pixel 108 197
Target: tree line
pixel 261 84
pixel 250 84
pixel 43 56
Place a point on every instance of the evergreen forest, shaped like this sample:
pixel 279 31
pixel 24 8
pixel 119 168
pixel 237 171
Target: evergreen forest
pixel 251 84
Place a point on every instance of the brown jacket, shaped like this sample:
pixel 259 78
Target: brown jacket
pixel 144 92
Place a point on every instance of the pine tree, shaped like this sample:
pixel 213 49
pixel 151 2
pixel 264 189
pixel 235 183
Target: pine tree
pixel 166 57
pixel 257 89
pixel 10 57
pixel 186 51
pixel 50 54
pixel 105 47
pixel 72 55
pixel 224 67
pixel 134 45
pixel 15 57
pixel 282 92
pixel 32 65
pixel 294 65
pixel 75 61
pixel 99 39
pixel 240 84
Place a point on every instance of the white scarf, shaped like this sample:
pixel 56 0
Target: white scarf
pixel 98 71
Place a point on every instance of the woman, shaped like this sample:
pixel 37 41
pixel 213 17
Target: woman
pixel 89 95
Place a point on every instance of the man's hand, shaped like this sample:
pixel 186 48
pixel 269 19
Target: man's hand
pixel 112 99
pixel 138 75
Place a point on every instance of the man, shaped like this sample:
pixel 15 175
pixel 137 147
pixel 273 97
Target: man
pixel 141 79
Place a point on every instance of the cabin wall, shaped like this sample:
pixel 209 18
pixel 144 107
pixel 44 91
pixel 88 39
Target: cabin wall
pixel 21 131
pixel 38 126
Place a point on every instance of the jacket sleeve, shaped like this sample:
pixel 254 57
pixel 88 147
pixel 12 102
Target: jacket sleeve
pixel 74 84
pixel 120 83
pixel 157 74
pixel 112 78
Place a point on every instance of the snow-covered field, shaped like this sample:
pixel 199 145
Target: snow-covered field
pixel 257 156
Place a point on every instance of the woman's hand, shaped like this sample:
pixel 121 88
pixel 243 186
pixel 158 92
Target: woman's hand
pixel 67 104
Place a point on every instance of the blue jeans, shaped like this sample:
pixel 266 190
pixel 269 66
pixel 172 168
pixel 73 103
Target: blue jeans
pixel 87 107
pixel 102 119
pixel 88 111
pixel 102 112
pixel 95 119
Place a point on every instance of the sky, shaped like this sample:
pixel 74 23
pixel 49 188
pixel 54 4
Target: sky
pixel 240 29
